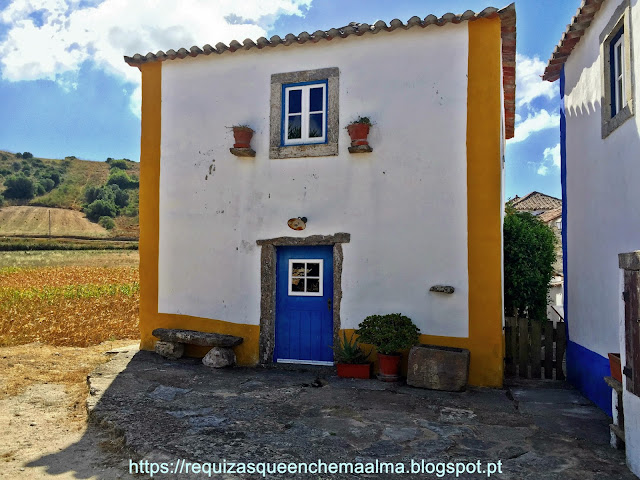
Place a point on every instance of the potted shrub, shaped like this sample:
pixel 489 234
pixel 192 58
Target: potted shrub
pixel 351 360
pixel 242 135
pixel 390 334
pixel 359 131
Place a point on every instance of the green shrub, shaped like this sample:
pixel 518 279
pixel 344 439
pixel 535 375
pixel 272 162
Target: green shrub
pixel 107 222
pixel 100 208
pixel 40 190
pixel 120 178
pixel 389 333
pixel 16 166
pixel 26 170
pixel 5 171
pixel 27 155
pixel 20 187
pixel 121 198
pixel 48 184
pixel 121 164
pixel 529 254
pixel 18 155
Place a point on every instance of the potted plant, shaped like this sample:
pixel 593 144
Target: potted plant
pixel 352 361
pixel 242 135
pixel 358 131
pixel 390 334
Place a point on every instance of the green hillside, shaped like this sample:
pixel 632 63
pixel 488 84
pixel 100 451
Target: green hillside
pixel 98 189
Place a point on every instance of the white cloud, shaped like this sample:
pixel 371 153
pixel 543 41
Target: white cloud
pixel 550 158
pixel 536 122
pixel 529 83
pixel 64 36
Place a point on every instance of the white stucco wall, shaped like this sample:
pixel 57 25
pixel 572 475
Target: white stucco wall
pixel 603 218
pixel 405 204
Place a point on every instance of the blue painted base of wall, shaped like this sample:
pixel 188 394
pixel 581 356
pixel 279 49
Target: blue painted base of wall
pixel 586 371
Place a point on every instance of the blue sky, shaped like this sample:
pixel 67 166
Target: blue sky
pixel 65 89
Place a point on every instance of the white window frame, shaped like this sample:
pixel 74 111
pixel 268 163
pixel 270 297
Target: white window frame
pixel 320 277
pixel 305 139
pixel 618 61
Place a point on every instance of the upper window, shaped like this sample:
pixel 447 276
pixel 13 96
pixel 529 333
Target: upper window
pixel 305 113
pixel 617 56
pixel 617 71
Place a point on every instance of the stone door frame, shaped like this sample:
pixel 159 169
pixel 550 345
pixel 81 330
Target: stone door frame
pixel 268 284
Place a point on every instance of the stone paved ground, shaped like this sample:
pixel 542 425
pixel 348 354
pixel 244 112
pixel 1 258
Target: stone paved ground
pixel 183 410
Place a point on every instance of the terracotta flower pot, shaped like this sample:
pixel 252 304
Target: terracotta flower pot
pixel 242 137
pixel 352 370
pixel 358 133
pixel 389 366
pixel 616 367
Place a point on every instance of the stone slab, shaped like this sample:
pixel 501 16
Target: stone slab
pixel 438 368
pixel 169 350
pixel 193 337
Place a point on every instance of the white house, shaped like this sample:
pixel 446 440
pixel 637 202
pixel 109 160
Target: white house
pixel 600 141
pixel 423 208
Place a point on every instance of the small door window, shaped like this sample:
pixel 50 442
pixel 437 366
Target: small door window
pixel 305 277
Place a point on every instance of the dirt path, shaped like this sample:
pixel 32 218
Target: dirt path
pixel 43 419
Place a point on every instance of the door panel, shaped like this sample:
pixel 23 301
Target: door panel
pixel 304 311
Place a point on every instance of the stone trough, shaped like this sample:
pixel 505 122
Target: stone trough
pixel 172 343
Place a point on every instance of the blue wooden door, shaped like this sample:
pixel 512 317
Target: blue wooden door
pixel 304 305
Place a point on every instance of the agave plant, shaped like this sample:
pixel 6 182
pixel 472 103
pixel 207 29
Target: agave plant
pixel 349 351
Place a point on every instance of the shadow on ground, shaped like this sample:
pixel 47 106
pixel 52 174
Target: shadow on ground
pixel 168 411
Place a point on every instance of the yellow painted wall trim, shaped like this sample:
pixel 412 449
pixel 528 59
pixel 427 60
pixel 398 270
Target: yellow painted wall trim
pixel 484 204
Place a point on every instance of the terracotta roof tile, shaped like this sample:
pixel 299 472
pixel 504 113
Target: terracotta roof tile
pixel 506 14
pixel 536 201
pixel 570 38
pixel 550 215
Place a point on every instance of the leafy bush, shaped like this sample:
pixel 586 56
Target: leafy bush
pixel 27 155
pixel 389 333
pixel 120 178
pixel 349 351
pixel 121 164
pixel 19 186
pixel 47 184
pixel 5 171
pixel 16 166
pixel 100 208
pixel 26 169
pixel 529 254
pixel 121 198
pixel 18 155
pixel 40 190
pixel 107 222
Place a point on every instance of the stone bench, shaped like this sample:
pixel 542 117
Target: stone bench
pixel 172 342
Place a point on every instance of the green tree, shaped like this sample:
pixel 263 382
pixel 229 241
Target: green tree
pixel 27 155
pixel 120 178
pixel 121 164
pixel 48 184
pixel 529 254
pixel 107 222
pixel 20 187
pixel 100 208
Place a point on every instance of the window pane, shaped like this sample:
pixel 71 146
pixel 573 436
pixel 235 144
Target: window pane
pixel 315 99
pixel 315 125
pixel 297 270
pixel 313 269
pixel 619 59
pixel 297 285
pixel 295 127
pixel 313 285
pixel 295 101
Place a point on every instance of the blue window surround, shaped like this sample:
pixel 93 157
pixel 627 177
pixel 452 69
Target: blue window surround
pixel 326 110
pixel 612 69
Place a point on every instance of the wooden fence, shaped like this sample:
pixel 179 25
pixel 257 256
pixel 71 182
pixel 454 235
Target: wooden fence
pixel 534 349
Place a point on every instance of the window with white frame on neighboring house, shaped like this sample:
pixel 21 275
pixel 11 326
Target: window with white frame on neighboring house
pixel 304 113
pixel 617 76
pixel 304 116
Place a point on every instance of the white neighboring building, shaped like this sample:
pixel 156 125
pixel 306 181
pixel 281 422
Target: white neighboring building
pixel 600 145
